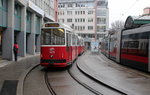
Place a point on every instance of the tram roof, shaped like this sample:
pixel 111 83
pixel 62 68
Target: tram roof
pixel 136 21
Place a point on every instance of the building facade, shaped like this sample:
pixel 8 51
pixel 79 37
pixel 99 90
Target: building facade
pixel 21 21
pixel 88 18
pixel 102 16
pixel 146 11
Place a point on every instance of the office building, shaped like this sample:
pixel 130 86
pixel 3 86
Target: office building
pixel 21 21
pixel 88 18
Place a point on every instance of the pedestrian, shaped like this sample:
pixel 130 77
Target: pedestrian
pixel 15 49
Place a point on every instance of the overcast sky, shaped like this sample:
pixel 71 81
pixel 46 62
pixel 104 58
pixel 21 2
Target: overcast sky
pixel 121 9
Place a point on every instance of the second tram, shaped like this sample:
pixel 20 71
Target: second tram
pixel 130 46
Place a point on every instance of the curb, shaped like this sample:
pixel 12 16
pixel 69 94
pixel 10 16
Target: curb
pixel 22 78
pixel 101 79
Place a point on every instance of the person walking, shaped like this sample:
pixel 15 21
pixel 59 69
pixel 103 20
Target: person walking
pixel 15 49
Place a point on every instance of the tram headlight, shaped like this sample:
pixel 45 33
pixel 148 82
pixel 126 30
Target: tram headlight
pixel 41 56
pixel 51 56
pixel 62 55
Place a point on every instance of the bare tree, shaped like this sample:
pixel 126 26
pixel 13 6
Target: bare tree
pixel 117 25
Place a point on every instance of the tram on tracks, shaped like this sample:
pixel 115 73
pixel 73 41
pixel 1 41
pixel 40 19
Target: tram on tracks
pixel 130 46
pixel 60 46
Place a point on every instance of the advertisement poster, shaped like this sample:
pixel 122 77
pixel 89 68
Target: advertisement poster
pixel 94 46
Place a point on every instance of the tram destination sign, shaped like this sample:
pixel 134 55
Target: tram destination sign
pixel 51 25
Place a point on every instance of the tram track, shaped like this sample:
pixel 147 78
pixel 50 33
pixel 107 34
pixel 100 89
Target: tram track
pixel 84 84
pixel 34 82
pixel 49 85
pixel 99 83
pixel 47 82
pixel 20 87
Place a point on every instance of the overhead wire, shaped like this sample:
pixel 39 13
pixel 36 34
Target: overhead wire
pixel 130 8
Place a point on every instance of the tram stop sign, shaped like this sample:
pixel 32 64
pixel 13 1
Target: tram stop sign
pixel 94 46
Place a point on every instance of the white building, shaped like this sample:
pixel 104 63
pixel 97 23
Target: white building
pixel 102 18
pixel 89 18
pixel 146 11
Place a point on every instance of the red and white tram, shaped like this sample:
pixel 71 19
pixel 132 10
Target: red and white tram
pixel 59 45
pixel 130 46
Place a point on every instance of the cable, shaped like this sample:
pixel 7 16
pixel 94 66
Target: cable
pixel 123 14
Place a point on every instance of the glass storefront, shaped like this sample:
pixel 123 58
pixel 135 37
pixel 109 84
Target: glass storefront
pixel 1 31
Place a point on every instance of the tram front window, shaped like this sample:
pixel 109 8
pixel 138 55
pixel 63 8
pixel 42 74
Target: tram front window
pixel 55 36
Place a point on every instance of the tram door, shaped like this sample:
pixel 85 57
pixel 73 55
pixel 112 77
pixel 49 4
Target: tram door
pixel 68 42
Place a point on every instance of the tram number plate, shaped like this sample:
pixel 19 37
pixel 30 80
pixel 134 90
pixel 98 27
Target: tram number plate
pixel 51 62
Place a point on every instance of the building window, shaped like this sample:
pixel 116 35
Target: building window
pixel 76 12
pixel 102 4
pixel 101 20
pixel 1 3
pixel 61 20
pixel 90 27
pixel 83 19
pixel 101 12
pixel 90 19
pixel 90 12
pixel 75 27
pixel 90 4
pixel 17 11
pixel 83 12
pixel 61 5
pixel 61 12
pixel 101 28
pixel 69 20
pixel 69 12
pixel 83 27
pixel 75 20
pixel 70 5
pixel 100 35
pixel 28 16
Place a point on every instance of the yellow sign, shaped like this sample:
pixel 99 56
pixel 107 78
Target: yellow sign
pixel 52 25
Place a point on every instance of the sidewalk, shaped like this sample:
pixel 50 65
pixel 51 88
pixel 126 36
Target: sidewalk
pixel 131 81
pixel 6 62
pixel 11 70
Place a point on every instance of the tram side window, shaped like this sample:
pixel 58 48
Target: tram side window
pixel 106 46
pixel 69 39
pixel 58 37
pixel 47 39
pixel 143 50
pixel 124 46
pixel 73 40
pixel 133 44
pixel 133 47
pixel 78 42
